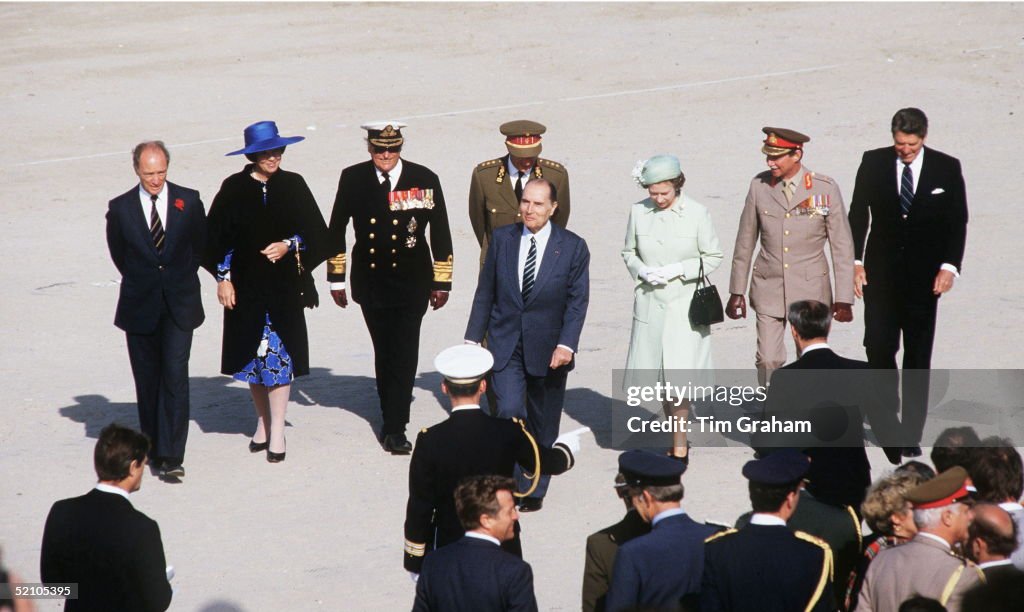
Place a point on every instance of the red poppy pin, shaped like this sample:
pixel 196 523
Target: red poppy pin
pixel 179 204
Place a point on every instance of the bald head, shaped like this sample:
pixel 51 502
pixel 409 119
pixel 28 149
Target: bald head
pixel 992 535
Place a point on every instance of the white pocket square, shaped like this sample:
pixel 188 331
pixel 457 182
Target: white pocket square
pixel 938 190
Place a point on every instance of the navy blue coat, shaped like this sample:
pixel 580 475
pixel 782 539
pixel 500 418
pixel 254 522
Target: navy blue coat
pixel 659 569
pixel 766 568
pixel 148 278
pixel 557 307
pixel 473 575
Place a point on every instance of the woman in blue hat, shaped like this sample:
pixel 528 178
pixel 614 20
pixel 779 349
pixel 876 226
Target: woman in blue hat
pixel 266 235
pixel 667 239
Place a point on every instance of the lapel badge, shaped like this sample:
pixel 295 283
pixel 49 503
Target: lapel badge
pixel 501 174
pixel 808 182
pixel 411 228
pixel 410 242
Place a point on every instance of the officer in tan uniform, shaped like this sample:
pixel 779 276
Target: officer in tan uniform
pixel 497 184
pixel 926 565
pixel 793 212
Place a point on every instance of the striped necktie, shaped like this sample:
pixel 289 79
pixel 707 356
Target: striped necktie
pixel 906 189
pixel 156 229
pixel 530 269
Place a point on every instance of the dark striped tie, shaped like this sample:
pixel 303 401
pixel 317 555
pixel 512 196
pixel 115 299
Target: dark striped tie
pixel 530 269
pixel 906 189
pixel 156 229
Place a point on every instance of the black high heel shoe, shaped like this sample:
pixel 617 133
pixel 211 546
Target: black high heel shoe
pixel 273 457
pixel 258 447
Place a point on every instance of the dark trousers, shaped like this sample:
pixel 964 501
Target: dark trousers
pixel 890 311
pixel 538 399
pixel 160 368
pixel 395 333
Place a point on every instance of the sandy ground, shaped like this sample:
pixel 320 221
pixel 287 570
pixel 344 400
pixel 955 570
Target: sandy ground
pixel 614 83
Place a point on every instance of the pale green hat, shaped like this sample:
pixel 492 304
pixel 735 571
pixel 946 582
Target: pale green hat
pixel 659 168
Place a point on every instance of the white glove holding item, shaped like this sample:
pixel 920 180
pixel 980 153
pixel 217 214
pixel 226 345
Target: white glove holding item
pixel 651 276
pixel 671 271
pixel 571 440
pixel 414 577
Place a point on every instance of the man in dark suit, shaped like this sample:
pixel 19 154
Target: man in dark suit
pixel 835 395
pixel 765 566
pixel 395 274
pixel 916 202
pixel 603 548
pixel 662 569
pixel 98 540
pixel 156 233
pixel 991 539
pixel 474 573
pixel 530 304
pixel 469 443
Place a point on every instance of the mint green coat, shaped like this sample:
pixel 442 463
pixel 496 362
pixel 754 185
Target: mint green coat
pixel 662 337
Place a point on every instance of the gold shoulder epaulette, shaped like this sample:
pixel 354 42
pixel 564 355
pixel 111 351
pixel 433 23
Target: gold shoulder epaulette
pixel 856 526
pixel 715 536
pixel 806 537
pixel 424 430
pixel 488 164
pixel 549 163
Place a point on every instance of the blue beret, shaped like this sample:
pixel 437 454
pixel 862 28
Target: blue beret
pixel 643 468
pixel 781 467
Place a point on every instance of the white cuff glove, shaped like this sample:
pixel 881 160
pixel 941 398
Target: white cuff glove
pixel 571 440
pixel 414 577
pixel 651 276
pixel 671 271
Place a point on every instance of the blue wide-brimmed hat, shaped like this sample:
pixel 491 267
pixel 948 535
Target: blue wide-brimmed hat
pixel 263 136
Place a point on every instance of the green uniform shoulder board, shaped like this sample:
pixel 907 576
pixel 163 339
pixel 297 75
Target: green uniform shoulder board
pixel 549 163
pixel 720 534
pixel 488 164
pixel 822 177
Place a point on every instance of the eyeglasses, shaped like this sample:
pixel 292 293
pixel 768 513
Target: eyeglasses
pixel 391 149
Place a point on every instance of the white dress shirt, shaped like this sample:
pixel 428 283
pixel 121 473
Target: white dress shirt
pixel 483 536
pixel 541 236
pixel 147 205
pixel 769 520
pixel 514 173
pixel 664 514
pixel 393 175
pixel 110 489
pixel 915 170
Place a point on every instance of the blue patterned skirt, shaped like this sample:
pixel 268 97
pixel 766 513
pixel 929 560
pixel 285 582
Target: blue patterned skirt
pixel 273 367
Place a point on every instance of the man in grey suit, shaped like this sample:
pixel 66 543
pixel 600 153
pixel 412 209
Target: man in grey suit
pixel 792 211
pixel 530 304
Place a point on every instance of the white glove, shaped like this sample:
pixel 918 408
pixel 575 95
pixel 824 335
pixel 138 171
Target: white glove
pixel 651 276
pixel 414 577
pixel 571 440
pixel 671 271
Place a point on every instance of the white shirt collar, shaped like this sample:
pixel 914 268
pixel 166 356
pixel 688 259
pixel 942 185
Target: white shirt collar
pixel 483 536
pixel 769 520
pixel 1011 506
pixel 394 174
pixel 105 488
pixel 915 169
pixel 925 534
pixel 541 235
pixel 465 407
pixel 814 347
pixel 664 514
pixel 147 204
pixel 989 564
pixel 514 172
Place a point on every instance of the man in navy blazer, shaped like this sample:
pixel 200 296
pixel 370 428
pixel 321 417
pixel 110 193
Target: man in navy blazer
pixel 660 570
pixel 156 233
pixel 530 304
pixel 474 573
pixel 916 202
pixel 99 541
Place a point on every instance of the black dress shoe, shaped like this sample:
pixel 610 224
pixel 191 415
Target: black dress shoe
pixel 170 470
pixel 912 451
pixel 258 447
pixel 273 457
pixel 531 504
pixel 397 444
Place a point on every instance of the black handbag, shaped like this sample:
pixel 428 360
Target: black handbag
pixel 706 305
pixel 307 288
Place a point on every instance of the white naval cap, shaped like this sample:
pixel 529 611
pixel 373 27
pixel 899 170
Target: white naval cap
pixel 380 125
pixel 464 364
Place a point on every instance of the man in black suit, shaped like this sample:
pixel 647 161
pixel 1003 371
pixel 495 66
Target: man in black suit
pixel 395 274
pixel 101 542
pixel 834 394
pixel 530 304
pixel 474 573
pixel 156 233
pixel 991 539
pixel 469 443
pixel 916 202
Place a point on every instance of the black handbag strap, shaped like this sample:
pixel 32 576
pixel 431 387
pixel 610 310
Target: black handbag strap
pixel 702 281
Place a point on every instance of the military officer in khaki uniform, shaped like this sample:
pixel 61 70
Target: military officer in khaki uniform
pixel 793 212
pixel 497 184
pixel 926 565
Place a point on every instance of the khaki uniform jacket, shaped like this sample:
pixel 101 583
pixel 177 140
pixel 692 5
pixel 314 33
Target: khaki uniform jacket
pixel 922 566
pixel 601 550
pixel 791 264
pixel 492 197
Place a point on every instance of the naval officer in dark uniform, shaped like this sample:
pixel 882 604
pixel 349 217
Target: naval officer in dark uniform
pixel 497 184
pixel 469 443
pixel 395 273
pixel 765 566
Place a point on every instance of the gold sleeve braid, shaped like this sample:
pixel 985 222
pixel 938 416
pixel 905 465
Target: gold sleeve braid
pixel 442 270
pixel 415 549
pixel 336 264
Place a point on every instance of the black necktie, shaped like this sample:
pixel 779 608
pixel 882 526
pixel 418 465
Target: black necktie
pixel 906 189
pixel 529 270
pixel 156 229
pixel 387 181
pixel 519 187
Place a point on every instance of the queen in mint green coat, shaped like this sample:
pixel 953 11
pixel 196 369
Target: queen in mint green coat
pixel 667 237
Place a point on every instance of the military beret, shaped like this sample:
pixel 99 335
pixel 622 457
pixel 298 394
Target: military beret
pixel 522 137
pixel 659 168
pixel 464 364
pixel 779 141
pixel 947 488
pixel 643 468
pixel 384 133
pixel 781 467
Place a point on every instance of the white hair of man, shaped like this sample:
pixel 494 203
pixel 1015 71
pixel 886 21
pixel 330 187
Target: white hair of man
pixel 932 517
